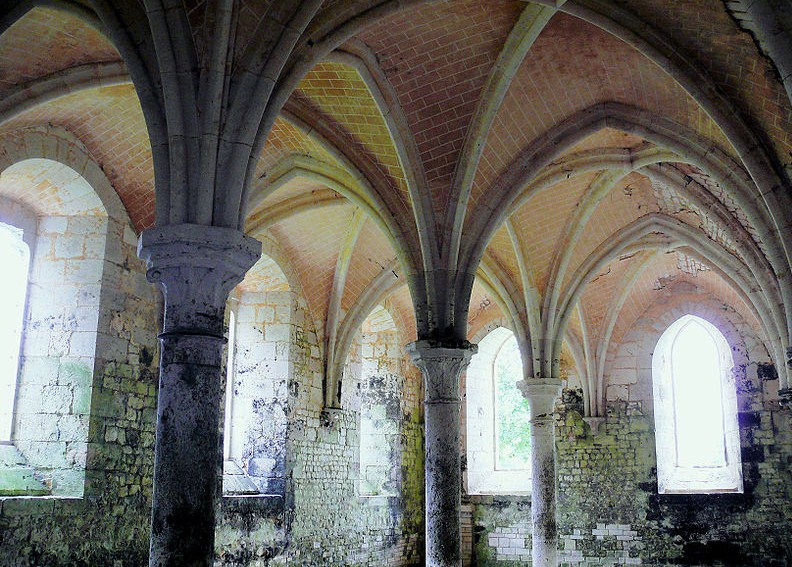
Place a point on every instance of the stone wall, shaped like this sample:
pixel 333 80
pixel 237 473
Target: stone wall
pixel 108 524
pixel 256 407
pixel 320 518
pixel 323 518
pixel 610 512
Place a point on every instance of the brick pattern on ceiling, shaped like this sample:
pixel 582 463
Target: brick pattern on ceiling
pixel 340 92
pixel 659 279
pixel 401 308
pixel 541 221
pixel 574 327
pixel 290 190
pixel 709 36
pixel 285 140
pixel 311 241
pixel 501 250
pixel 46 40
pixel 700 177
pixel 606 138
pixel 110 123
pixel 602 290
pixel 438 57
pixel 373 252
pixel 551 85
pixel 265 275
pixel 632 198
pixel 356 153
pixel 483 309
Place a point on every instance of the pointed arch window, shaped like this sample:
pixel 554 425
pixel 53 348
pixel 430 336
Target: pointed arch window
pixel 697 437
pixel 498 419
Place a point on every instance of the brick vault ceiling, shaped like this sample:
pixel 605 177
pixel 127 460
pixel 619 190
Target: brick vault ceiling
pixel 418 78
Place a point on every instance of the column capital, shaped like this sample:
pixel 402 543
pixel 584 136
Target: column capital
pixel 541 394
pixel 441 363
pixel 197 266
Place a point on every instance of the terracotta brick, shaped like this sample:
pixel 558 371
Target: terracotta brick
pixel 61 41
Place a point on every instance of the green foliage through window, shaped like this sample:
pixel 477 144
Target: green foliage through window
pixel 513 428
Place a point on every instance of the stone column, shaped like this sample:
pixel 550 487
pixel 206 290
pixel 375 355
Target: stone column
pixel 441 367
pixel 197 267
pixel 542 395
pixel 785 392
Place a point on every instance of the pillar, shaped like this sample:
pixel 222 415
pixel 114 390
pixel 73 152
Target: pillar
pixel 197 266
pixel 441 367
pixel 785 391
pixel 542 395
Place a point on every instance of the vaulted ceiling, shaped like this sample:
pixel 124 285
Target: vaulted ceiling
pixel 595 157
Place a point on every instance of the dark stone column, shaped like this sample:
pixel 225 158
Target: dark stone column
pixel 197 267
pixel 441 368
pixel 785 392
pixel 542 395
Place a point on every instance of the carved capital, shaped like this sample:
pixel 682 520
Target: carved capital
pixel 594 423
pixel 541 394
pixel 441 367
pixel 197 267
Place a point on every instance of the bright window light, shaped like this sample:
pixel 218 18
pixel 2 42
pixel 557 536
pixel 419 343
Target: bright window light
pixel 696 370
pixel 498 429
pixel 695 402
pixel 513 420
pixel 229 394
pixel 15 259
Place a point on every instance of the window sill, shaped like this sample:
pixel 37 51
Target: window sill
pixel 378 500
pixel 260 505
pixel 17 477
pixel 497 498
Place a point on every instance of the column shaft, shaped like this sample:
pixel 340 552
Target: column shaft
pixel 785 388
pixel 441 367
pixel 185 461
pixel 197 266
pixel 443 484
pixel 541 396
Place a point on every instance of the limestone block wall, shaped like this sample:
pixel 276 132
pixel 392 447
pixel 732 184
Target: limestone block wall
pixel 257 430
pixel 333 523
pixel 381 385
pixel 323 518
pixel 610 512
pixel 113 395
pixel 320 519
pixel 58 349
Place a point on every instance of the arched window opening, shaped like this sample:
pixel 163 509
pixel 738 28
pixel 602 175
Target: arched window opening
pixel 380 406
pixel 513 420
pixel 15 258
pixel 695 410
pixel 255 427
pixel 65 225
pixel 497 419
pixel 229 392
